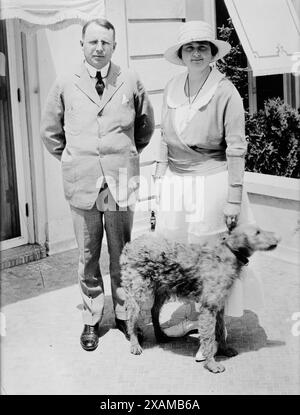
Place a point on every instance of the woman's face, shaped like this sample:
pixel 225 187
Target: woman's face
pixel 196 55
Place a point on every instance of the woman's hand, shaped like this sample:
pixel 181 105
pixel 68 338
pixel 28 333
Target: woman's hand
pixel 231 213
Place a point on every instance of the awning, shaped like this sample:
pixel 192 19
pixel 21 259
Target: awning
pixel 53 14
pixel 269 31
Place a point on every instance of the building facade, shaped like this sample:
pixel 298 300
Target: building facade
pixel 34 49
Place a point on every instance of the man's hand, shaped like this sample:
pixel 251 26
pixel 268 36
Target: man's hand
pixel 231 213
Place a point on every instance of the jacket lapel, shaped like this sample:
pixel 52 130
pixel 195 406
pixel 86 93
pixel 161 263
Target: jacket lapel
pixel 86 85
pixel 113 83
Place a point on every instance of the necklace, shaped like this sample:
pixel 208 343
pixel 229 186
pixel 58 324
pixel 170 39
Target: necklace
pixel 201 86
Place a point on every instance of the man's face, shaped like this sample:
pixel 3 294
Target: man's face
pixel 98 45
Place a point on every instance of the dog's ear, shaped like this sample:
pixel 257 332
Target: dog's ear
pixel 238 240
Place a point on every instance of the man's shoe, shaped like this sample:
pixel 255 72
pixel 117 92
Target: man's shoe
pixel 89 338
pixel 122 326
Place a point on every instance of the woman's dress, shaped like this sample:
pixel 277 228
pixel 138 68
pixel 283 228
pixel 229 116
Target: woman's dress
pixel 197 143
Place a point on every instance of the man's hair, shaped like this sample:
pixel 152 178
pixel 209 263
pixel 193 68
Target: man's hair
pixel 100 22
pixel 213 48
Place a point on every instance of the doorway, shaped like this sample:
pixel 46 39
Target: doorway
pixel 15 189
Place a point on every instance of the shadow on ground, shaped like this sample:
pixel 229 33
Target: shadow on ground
pixel 244 334
pixel 48 274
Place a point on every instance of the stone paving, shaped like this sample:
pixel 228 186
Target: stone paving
pixel 41 354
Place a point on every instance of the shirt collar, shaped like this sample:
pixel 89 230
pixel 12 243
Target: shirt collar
pixel 92 70
pixel 176 96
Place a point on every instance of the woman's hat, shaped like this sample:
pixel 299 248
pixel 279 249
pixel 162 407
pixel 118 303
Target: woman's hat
pixel 196 31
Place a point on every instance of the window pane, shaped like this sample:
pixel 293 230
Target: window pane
pixel 10 221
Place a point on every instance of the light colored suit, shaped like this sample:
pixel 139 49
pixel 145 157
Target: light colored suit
pixel 93 136
pixel 98 141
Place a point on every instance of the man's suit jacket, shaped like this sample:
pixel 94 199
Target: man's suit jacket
pixel 96 137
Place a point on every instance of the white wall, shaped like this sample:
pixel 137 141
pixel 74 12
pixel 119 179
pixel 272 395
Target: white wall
pixel 57 51
pixel 275 202
pixel 60 51
pixel 296 4
pixel 115 13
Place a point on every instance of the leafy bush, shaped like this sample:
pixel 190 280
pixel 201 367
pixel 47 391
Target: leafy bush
pixel 234 65
pixel 273 136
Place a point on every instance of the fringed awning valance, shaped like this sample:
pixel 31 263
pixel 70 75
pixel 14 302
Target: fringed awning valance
pixel 53 14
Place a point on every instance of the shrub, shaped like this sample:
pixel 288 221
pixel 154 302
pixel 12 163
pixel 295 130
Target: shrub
pixel 273 136
pixel 234 65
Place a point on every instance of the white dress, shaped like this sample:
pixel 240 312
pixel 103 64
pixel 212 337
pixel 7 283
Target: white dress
pixel 191 210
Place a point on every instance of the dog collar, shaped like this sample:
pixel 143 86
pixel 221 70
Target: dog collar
pixel 240 257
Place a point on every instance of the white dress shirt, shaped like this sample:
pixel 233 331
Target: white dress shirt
pixel 92 71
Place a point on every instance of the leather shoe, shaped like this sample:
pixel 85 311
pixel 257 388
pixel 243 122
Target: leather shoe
pixel 89 338
pixel 122 326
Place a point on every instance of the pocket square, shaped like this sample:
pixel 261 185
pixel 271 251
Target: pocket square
pixel 125 100
pixel 69 109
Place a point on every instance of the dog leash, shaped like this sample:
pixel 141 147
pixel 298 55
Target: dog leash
pixel 152 221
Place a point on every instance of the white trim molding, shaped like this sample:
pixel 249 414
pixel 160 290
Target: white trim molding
pixel 275 202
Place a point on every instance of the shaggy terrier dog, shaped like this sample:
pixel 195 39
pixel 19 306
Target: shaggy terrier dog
pixel 155 268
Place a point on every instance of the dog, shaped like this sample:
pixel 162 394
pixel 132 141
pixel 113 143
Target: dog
pixel 154 268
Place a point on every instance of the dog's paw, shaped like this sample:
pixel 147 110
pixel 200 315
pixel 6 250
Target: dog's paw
pixel 227 351
pixel 136 349
pixel 214 366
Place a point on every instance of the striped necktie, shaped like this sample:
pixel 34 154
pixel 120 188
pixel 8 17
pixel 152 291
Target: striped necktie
pixel 99 84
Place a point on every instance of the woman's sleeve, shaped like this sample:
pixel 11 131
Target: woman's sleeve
pixel 234 124
pixel 161 164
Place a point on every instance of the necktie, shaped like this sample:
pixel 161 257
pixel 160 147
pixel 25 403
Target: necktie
pixel 99 84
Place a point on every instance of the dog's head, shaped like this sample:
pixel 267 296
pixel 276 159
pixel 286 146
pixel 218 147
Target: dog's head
pixel 246 239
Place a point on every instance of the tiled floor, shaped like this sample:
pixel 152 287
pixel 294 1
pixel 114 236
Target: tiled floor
pixel 41 354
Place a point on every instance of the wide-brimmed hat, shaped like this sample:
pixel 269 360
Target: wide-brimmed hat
pixel 196 31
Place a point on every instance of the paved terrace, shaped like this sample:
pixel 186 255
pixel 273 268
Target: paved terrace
pixel 41 354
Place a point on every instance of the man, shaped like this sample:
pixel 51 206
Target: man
pixel 97 121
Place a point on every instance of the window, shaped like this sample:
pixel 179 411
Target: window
pixel 268 87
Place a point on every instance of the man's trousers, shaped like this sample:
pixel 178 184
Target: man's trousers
pixel 89 226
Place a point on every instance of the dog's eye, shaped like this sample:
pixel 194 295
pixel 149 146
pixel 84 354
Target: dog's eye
pixel 257 232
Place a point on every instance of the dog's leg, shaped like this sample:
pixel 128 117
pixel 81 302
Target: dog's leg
pixel 159 300
pixel 207 324
pixel 223 349
pixel 133 310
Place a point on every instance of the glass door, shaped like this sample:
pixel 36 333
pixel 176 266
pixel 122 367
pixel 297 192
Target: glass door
pixel 13 138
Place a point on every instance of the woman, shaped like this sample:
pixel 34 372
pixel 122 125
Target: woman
pixel 200 168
